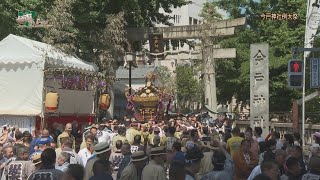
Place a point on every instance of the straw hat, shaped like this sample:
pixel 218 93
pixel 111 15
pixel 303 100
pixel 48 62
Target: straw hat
pixel 158 151
pixel 208 145
pixel 102 147
pixel 138 156
pixel 36 159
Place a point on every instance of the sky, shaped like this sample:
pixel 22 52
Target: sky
pixel 224 13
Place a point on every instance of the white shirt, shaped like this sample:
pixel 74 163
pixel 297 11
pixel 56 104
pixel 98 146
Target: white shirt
pixel 255 172
pixel 84 154
pixel 260 139
pixel 104 136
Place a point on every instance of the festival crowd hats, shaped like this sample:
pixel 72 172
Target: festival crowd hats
pixel 36 159
pixel 102 147
pixel 208 145
pixel 138 156
pixel 158 151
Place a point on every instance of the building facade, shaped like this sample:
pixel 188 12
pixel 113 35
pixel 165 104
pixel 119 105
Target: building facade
pixel 186 15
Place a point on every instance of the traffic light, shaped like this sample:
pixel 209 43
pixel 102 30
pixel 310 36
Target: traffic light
pixel 295 73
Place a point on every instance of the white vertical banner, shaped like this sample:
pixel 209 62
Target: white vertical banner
pixel 312 24
pixel 314 75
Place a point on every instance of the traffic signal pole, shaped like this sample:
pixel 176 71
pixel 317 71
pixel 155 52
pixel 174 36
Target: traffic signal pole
pixel 295 52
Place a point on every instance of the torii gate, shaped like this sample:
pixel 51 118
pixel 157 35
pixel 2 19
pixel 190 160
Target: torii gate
pixel 210 53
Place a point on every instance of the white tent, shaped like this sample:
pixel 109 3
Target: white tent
pixel 22 78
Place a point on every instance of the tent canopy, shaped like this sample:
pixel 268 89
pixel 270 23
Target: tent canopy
pixel 22 65
pixel 19 50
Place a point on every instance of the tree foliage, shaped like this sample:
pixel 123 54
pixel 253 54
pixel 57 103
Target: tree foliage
pixel 209 13
pixel 94 30
pixel 63 34
pixel 187 87
pixel 166 80
pixel 233 76
pixel 9 12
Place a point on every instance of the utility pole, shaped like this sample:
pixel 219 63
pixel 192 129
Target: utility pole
pixel 306 53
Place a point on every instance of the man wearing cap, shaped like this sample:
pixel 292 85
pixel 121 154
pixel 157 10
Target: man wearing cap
pixel 66 133
pixel 102 151
pixel 134 169
pixel 155 169
pixel 21 168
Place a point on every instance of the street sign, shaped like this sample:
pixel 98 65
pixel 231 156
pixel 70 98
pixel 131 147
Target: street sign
pixel 314 74
pixel 295 73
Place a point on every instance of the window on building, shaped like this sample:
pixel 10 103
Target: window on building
pixel 190 20
pixel 176 19
pixel 195 21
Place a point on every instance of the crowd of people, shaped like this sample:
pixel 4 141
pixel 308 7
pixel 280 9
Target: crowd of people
pixel 182 148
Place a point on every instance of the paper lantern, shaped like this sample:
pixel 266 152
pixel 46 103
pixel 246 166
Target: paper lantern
pixel 104 101
pixel 52 102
